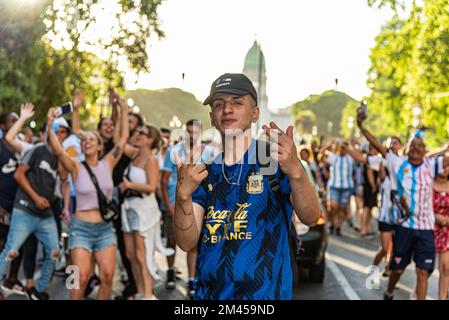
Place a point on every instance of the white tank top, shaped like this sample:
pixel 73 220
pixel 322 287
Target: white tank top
pixel 137 175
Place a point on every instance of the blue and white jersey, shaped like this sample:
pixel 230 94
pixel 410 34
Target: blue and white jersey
pixel 388 213
pixel 415 182
pixel 341 173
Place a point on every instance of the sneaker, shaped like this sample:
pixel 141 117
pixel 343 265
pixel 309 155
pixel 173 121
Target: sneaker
pixel 338 232
pixel 388 296
pixel 10 287
pixel 190 290
pixel 93 282
pixel 128 292
pixel 170 284
pixel 33 294
pixel 331 229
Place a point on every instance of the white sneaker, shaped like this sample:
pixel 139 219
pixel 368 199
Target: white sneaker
pixel 413 295
pixel 138 296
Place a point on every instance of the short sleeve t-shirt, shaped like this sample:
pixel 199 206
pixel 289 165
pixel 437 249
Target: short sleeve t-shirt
pixel 243 250
pixel 341 172
pixel 415 182
pixel 8 185
pixel 42 173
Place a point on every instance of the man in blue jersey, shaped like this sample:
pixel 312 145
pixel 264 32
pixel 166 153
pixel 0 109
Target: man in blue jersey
pixel 239 222
pixel 341 182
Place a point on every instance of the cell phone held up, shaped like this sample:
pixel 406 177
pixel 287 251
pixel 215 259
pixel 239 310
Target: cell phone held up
pixel 363 108
pixel 63 109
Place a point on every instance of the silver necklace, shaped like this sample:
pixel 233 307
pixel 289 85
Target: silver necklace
pixel 226 178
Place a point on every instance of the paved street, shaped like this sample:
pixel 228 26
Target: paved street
pixel 348 258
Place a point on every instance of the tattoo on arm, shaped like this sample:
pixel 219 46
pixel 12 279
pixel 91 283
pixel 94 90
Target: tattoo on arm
pixel 116 152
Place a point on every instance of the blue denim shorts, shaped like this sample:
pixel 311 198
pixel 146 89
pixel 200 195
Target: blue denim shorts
pixel 341 196
pixel 91 236
pixel 132 221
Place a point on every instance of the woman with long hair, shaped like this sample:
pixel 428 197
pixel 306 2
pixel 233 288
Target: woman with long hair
pixel 140 210
pixel 91 236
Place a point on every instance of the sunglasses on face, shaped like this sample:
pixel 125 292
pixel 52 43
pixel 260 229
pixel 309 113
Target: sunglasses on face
pixel 143 133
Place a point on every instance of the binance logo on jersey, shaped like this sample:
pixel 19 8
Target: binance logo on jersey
pixel 227 224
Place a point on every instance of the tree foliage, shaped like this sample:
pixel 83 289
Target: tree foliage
pixel 409 67
pixel 305 121
pixel 327 107
pixel 50 48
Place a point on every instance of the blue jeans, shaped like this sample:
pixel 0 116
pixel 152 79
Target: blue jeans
pixel 23 225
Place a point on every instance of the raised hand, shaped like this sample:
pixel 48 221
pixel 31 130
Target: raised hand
pixel 361 117
pixel 50 117
pixel 190 174
pixel 77 99
pixel 27 111
pixel 286 150
pixel 113 97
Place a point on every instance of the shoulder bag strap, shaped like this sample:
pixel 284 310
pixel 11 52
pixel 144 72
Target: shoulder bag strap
pixel 100 193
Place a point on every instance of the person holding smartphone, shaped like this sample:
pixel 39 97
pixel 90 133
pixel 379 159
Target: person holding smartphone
pixel 411 178
pixel 90 236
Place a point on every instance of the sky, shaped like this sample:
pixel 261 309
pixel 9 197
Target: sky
pixel 306 43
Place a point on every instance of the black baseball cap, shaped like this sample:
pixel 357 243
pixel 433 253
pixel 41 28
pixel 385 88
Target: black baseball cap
pixel 234 83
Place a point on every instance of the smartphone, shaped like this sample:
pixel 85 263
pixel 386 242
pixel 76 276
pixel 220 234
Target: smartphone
pixel 64 109
pixel 363 107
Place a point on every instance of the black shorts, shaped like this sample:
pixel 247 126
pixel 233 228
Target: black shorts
pixel 385 227
pixel 370 199
pixel 408 243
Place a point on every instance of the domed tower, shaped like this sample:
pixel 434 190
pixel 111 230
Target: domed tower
pixel 254 68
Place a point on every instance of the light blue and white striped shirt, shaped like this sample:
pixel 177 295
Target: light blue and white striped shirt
pixel 341 172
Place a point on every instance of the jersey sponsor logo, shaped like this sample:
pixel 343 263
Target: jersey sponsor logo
pixel 234 224
pixel 10 167
pixel 254 184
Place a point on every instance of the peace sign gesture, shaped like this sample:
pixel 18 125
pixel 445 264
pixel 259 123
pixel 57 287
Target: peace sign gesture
pixel 190 174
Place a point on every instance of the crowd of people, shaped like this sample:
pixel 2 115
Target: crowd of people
pixel 48 195
pixel 127 189
pixel 409 186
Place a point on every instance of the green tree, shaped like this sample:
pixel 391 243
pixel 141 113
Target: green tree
pixel 327 107
pixel 409 67
pixel 305 121
pixel 54 47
